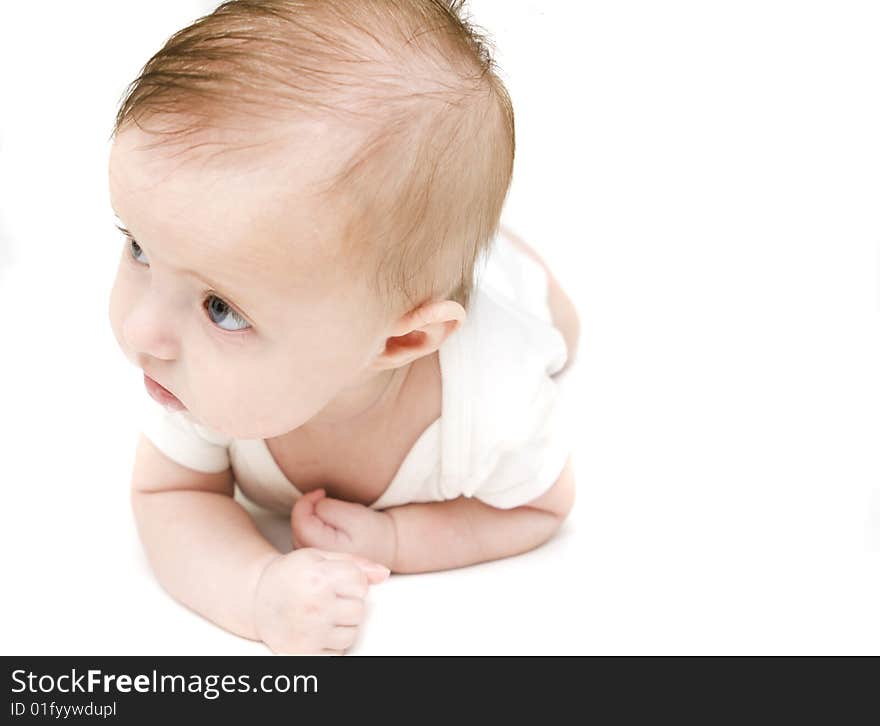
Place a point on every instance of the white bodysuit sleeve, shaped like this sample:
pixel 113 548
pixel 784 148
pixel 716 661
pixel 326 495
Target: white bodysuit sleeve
pixel 524 389
pixel 183 440
pixel 527 466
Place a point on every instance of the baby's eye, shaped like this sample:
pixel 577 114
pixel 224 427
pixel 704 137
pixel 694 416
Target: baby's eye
pixel 216 307
pixel 135 249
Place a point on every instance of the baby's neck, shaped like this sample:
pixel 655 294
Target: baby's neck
pixel 371 404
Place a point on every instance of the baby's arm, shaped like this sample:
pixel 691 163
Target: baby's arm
pixel 465 531
pixel 202 545
pixel 209 555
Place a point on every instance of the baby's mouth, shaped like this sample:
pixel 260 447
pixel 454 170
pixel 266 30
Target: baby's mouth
pixel 162 395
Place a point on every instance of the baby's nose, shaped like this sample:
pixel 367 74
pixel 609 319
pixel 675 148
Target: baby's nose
pixel 150 331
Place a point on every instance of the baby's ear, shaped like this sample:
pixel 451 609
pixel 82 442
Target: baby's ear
pixel 422 331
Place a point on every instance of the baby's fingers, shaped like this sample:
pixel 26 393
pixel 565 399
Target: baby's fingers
pixel 340 637
pixel 348 611
pixel 344 516
pixel 308 529
pixel 374 572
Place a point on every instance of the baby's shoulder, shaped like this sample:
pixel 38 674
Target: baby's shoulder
pixel 506 435
pixel 512 344
pixel 507 358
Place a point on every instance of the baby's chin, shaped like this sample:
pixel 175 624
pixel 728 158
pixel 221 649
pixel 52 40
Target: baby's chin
pixel 243 427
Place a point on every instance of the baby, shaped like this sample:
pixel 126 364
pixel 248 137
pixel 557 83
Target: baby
pixel 308 192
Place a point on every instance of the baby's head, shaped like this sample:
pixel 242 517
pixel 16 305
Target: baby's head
pixel 309 186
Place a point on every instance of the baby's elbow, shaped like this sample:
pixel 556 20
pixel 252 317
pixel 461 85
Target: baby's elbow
pixel 558 500
pixel 564 510
pixel 563 514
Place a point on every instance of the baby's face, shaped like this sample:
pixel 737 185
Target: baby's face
pixel 231 295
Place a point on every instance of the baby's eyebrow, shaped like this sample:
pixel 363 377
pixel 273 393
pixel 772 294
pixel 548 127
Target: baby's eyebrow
pixel 215 288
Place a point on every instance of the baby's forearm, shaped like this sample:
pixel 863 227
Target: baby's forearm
pixel 465 531
pixel 206 552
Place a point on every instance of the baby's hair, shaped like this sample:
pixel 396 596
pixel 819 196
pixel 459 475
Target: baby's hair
pixel 426 183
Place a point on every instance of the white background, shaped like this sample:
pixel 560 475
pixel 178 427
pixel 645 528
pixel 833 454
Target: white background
pixel 702 177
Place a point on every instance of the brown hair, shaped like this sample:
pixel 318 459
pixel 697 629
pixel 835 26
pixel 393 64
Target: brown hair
pixel 426 184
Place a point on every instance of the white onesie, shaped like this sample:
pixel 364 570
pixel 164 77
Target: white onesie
pixel 505 429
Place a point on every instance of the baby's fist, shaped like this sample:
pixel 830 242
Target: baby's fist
pixel 338 526
pixel 309 602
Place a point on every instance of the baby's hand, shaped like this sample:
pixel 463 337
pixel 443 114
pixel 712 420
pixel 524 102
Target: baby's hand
pixel 332 524
pixel 309 602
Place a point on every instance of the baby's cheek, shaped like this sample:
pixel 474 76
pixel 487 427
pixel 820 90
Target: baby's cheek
pixel 254 408
pixel 117 304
